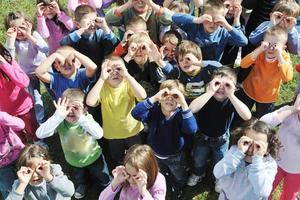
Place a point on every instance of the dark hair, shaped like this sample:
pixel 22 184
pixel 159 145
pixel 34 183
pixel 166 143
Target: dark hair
pixel 259 127
pixel 5 54
pixel 225 71
pixel 82 10
pixel 17 15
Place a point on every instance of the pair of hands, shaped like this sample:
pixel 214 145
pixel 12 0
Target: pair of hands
pixel 64 107
pixel 218 19
pixel 165 93
pixel 120 176
pixel 149 49
pixel 130 3
pixel 99 22
pixel 65 56
pixel 108 69
pixel 236 7
pixel 25 29
pixel 43 169
pixel 284 21
pixel 217 82
pixel 264 46
pixel 259 147
pixel 53 6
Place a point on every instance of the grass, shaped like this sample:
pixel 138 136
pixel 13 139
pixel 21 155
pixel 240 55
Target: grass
pixel 204 190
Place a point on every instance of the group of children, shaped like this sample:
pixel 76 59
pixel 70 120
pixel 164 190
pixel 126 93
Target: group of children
pixel 143 112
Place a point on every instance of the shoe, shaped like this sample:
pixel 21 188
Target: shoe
pixel 80 191
pixel 218 188
pixel 194 179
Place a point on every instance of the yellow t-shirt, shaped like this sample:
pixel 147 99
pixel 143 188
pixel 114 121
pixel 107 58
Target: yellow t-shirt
pixel 116 106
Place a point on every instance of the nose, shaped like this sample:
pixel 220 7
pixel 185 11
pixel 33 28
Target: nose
pixel 251 148
pixel 35 175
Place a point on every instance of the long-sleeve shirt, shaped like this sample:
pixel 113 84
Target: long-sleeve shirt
pixel 293 43
pixel 156 192
pixel 29 55
pixel 78 139
pixel 60 188
pixel 166 136
pixel 289 136
pixel 212 45
pixel 10 144
pixel 263 82
pixel 240 181
pixel 14 98
pixel 52 32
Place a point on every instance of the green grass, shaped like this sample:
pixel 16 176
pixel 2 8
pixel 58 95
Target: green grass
pixel 204 190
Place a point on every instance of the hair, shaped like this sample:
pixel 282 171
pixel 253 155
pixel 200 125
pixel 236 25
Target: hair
pixel 82 10
pixel 171 37
pixel 214 5
pixel 173 84
pixel 136 20
pixel 142 157
pixel 179 7
pixel 16 15
pixel 74 94
pixel 140 37
pixel 186 47
pixel 277 31
pixel 288 7
pixel 225 71
pixel 32 151
pixel 259 127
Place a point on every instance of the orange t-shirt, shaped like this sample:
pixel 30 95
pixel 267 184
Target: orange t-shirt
pixel 263 82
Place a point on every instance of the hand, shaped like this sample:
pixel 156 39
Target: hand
pixel 70 60
pixel 28 30
pixel 43 169
pixel 214 85
pixel 260 148
pixel 12 33
pixel 55 7
pixel 122 70
pixel 279 49
pixel 62 106
pixel 203 18
pixel 229 87
pixel 100 22
pixel 296 106
pixel 264 45
pixel 178 97
pixel 105 70
pixel 24 174
pixel 126 37
pixel 220 20
pixel 244 143
pixel 141 181
pixel 133 47
pixel 153 52
pixel 120 175
pixel 193 59
pixel 289 23
pixel 161 94
pixel 40 9
pixel 276 17
pixel 237 11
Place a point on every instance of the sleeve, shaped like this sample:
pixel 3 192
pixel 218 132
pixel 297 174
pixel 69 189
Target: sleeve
pixel 96 3
pixel 189 123
pixel 60 183
pixel 142 110
pixel 257 36
pixel 229 164
pixel 247 61
pixel 113 19
pixel 70 39
pixel 72 5
pixel 47 128
pixel 42 27
pixel 67 21
pixel 237 37
pixel 40 42
pixel 107 36
pixel 286 68
pixel 158 190
pixel 165 18
pixel 15 123
pixel 120 50
pixel 13 195
pixel 261 175
pixel 108 193
pixel 272 118
pixel 171 70
pixel 91 126
pixel 182 18
pixel 293 43
pixel 15 74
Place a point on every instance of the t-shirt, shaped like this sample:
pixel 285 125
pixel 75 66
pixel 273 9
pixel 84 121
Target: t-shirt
pixel 116 106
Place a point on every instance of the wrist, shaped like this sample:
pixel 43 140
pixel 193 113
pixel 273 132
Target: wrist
pixel 143 192
pixel 49 178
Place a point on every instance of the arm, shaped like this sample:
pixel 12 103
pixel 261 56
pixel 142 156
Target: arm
pixel 93 95
pixel 248 60
pixel 108 193
pixel 90 66
pixel 14 195
pixel 42 70
pixel 257 35
pixel 189 123
pixel 138 90
pixel 115 15
pixel 285 66
pixel 277 117
pixel 67 21
pixel 179 18
pixel 142 110
pixel 42 27
pixel 293 43
pixel 71 38
pixel 91 126
pixel 242 110
pixel 158 190
pixel 40 42
pixel 237 37
pixel 229 164
pixel 198 103
pixel 15 123
pixel 47 128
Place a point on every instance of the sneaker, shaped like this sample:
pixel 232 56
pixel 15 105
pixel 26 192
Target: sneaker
pixel 194 179
pixel 80 191
pixel 218 188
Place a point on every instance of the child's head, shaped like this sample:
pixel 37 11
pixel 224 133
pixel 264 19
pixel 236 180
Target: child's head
pixel 136 24
pixel 285 12
pixel 179 7
pixel 170 40
pixel 47 7
pixel 19 22
pixel 275 36
pixel 184 54
pixel 230 6
pixel 85 16
pixel 141 157
pixel 141 42
pixel 76 104
pixel 32 156
pixel 226 77
pixel 258 138
pixel 114 65
pixel 139 6
pixel 168 102
pixel 213 8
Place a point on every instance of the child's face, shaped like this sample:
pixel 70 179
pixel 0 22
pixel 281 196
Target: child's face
pixel 169 50
pixel 77 110
pixel 132 172
pixel 139 6
pixel 284 20
pixel 137 28
pixel 186 64
pixel 274 41
pixel 226 84
pixel 210 27
pixel 33 163
pixel 68 66
pixel 141 54
pixel 256 139
pixel 115 77
pixel 88 21
pixel 21 25
pixel 49 12
pixel 230 7
pixel 168 102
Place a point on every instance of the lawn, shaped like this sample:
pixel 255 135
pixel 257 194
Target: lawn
pixel 203 190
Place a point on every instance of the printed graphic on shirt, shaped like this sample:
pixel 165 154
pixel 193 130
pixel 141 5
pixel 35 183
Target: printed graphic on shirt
pixel 194 89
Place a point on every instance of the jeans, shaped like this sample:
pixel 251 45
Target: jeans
pixel 205 145
pixel 8 176
pixel 98 170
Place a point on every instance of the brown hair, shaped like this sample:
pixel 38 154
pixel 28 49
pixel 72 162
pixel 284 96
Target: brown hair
pixel 171 38
pixel 186 47
pixel 179 6
pixel 288 7
pixel 262 128
pixel 140 37
pixel 74 94
pixel 142 157
pixel 17 15
pixel 82 10
pixel 173 84
pixel 214 5
pixel 277 31
pixel 32 151
pixel 225 71
pixel 136 20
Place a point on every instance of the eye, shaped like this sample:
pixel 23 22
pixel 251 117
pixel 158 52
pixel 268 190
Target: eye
pixel 143 47
pixel 217 83
pixel 165 94
pixel 257 146
pixel 227 85
pixel 118 69
pixel 175 96
pixel 227 5
pixel 246 143
pixel 109 70
pixel 68 107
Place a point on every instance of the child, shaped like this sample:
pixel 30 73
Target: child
pixel 78 134
pixel 288 166
pixel 98 5
pixel 16 101
pixel 169 119
pixel 11 146
pixel 38 178
pixel 29 49
pixel 218 105
pixel 248 169
pixel 116 90
pixel 211 31
pixel 170 40
pixel 270 60
pixel 138 177
pixel 67 62
pixel 284 14
pixel 92 37
pixel 52 23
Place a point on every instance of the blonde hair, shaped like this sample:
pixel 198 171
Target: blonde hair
pixel 171 38
pixel 173 84
pixel 136 20
pixel 74 94
pixel 82 10
pixel 186 47
pixel 214 5
pixel 17 15
pixel 288 7
pixel 225 71
pixel 140 37
pixel 277 31
pixel 179 6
